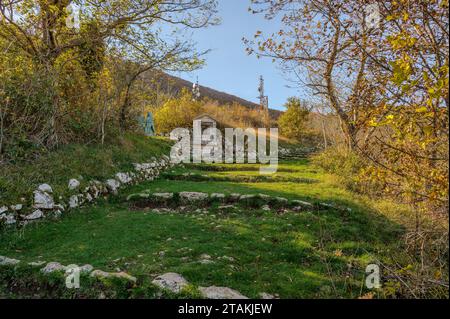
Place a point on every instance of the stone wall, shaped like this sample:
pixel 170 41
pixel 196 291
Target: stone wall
pixel 46 203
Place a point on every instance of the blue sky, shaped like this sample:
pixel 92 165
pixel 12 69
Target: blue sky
pixel 228 67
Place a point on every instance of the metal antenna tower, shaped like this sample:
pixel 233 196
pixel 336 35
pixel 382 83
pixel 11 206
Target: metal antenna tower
pixel 196 90
pixel 263 100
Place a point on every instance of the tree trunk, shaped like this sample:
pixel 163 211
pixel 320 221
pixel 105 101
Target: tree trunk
pixel 325 141
pixel 125 107
pixel 346 125
pixel 1 130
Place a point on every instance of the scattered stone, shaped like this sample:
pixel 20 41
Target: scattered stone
pixel 171 281
pixel 231 259
pixel 264 295
pixel 113 186
pixel 326 205
pixel 124 178
pixel 193 196
pixel 82 269
pixel 43 200
pixel 138 196
pixel 97 188
pixel 163 195
pixel 37 214
pixel 302 204
pixel 45 188
pixel 217 196
pixel 206 259
pixel 15 207
pixel 36 263
pixel 73 184
pixel 214 292
pixel 73 201
pixel 86 268
pixel 205 256
pixel 89 197
pixel 5 261
pixel 104 274
pixel 9 219
pixel 265 208
pixel 245 197
pixel 52 267
pixel 59 207
pixel 3 209
pixel 264 196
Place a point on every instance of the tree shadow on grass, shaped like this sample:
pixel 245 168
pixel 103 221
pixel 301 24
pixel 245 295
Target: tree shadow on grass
pixel 271 252
pixel 317 253
pixel 355 216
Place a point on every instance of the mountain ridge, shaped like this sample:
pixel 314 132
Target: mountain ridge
pixel 173 85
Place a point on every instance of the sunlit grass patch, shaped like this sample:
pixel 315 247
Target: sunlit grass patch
pixel 317 253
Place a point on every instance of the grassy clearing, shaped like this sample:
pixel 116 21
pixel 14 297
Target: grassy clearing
pixel 18 180
pixel 314 254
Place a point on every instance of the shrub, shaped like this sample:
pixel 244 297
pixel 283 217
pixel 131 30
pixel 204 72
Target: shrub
pixel 349 167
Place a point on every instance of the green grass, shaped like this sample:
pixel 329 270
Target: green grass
pixel 313 254
pixel 19 179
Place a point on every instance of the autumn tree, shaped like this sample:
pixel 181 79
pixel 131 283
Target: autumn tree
pixel 177 112
pixel 386 80
pixel 315 49
pixel 384 72
pixel 292 123
pixel 38 30
pixel 411 145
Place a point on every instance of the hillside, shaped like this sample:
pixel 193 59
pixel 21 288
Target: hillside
pixel 173 85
